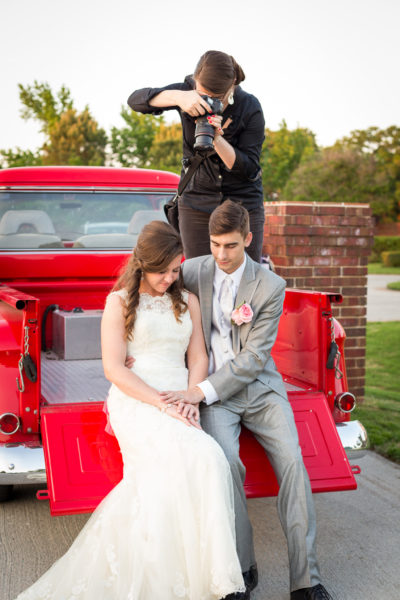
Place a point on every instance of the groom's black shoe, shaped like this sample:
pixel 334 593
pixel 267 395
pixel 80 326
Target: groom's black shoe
pixel 238 596
pixel 317 592
pixel 251 578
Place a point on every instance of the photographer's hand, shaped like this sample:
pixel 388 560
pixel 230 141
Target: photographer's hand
pixel 189 101
pixel 225 151
pixel 193 104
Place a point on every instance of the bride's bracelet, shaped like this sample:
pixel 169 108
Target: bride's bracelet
pixel 165 407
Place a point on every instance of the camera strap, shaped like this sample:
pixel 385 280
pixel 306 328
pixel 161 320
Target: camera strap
pixel 197 160
pixel 171 207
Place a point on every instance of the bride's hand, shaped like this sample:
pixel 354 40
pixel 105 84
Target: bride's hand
pixel 189 414
pixel 190 411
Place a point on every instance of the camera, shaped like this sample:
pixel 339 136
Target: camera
pixel 204 132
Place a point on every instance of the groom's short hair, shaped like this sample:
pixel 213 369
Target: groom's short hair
pixel 229 216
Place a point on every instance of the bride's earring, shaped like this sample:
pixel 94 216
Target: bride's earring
pixel 231 99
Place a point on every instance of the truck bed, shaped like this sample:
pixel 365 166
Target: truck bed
pixel 67 381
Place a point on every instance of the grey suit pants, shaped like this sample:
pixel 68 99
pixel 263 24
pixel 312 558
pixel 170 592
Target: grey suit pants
pixel 270 417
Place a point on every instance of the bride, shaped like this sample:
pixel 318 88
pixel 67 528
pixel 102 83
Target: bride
pixel 166 531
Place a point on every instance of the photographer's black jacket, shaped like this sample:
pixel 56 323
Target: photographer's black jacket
pixel 213 181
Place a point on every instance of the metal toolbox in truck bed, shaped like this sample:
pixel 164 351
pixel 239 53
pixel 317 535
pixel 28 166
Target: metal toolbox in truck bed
pixel 76 335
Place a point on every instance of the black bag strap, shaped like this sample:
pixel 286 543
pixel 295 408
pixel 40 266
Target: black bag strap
pixel 198 158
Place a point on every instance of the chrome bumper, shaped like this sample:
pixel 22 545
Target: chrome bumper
pixel 354 438
pixel 21 465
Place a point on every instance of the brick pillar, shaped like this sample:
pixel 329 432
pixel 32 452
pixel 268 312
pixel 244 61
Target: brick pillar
pixel 325 247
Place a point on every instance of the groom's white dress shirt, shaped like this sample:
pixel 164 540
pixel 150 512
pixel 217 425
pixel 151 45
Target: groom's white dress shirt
pixel 221 330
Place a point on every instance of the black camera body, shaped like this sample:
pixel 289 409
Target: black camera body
pixel 204 132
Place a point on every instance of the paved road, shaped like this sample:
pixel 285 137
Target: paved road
pixel 358 539
pixel 382 304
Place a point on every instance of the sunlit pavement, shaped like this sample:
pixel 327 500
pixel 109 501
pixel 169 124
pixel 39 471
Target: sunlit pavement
pixel 358 539
pixel 382 304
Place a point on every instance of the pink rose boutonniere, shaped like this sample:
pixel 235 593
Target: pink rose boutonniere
pixel 242 314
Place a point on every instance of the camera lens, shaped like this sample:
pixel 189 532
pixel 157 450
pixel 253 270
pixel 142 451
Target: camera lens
pixel 204 135
pixel 204 132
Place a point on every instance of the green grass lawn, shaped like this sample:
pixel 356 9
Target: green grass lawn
pixel 395 285
pixel 379 269
pixel 380 411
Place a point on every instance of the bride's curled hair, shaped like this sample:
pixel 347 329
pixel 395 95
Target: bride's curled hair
pixel 156 247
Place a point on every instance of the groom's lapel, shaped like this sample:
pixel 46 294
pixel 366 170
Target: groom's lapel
pixel 247 287
pixel 206 282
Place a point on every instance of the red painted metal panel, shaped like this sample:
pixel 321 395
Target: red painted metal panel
pixel 84 463
pixel 19 327
pixel 32 267
pixel 324 457
pixel 297 350
pixel 87 176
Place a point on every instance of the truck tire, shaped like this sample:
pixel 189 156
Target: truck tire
pixel 5 492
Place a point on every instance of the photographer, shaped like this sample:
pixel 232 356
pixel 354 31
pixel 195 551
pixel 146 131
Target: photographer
pixel 230 168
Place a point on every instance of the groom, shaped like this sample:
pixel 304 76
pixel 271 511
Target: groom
pixel 244 386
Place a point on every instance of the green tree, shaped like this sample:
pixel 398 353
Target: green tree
pixel 41 104
pixel 384 146
pixel 131 143
pixel 75 139
pixel 282 152
pixel 341 175
pixel 166 150
pixel 19 158
pixel 71 138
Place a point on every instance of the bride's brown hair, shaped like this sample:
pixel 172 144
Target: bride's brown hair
pixel 156 247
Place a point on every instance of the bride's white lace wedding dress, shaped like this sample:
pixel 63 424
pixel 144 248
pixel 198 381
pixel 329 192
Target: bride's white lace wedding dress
pixel 166 531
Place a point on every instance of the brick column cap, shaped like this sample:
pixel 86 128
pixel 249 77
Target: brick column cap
pixel 319 204
pixel 288 203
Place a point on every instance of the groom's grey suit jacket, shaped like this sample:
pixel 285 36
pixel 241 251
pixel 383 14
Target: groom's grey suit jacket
pixel 252 342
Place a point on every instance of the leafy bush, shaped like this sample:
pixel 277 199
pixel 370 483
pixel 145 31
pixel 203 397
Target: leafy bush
pixel 341 175
pixel 383 243
pixel 391 259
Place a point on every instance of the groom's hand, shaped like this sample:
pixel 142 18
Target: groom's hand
pixel 191 396
pixel 129 361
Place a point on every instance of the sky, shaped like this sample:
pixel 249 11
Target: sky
pixel 331 66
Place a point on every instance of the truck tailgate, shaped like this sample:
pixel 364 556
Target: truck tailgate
pixel 84 463
pixel 324 456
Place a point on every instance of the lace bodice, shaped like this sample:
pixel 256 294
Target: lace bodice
pixel 159 341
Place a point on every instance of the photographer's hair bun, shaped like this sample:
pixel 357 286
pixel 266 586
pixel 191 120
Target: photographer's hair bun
pixel 217 71
pixel 240 76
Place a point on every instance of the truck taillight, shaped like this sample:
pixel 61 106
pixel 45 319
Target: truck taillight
pixel 345 402
pixel 9 423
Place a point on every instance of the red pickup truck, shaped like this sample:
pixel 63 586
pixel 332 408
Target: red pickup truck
pixel 64 234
